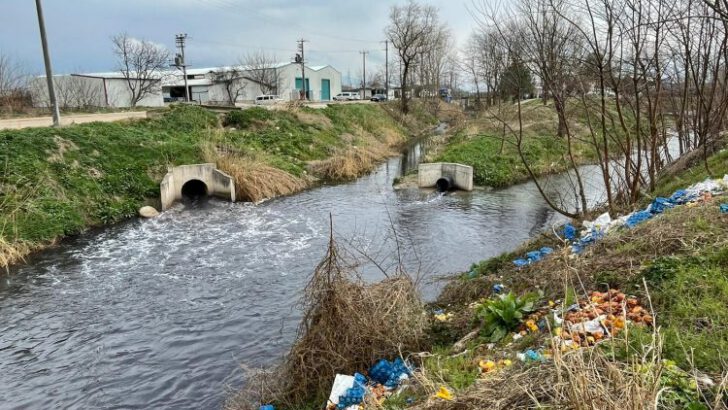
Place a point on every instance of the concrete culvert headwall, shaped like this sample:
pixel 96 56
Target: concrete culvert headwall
pixel 445 176
pixel 195 181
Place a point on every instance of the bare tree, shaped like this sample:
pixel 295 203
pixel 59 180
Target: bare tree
pixel 78 92
pixel 409 30
pixel 262 69
pixel 12 76
pixel 141 63
pixel 233 80
pixel 14 91
pixel 434 59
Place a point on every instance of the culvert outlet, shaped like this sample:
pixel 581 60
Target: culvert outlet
pixel 194 189
pixel 444 184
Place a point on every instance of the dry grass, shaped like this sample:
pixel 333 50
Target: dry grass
pixel 308 118
pixel 348 324
pixel 349 163
pixel 13 252
pixel 592 378
pixel 256 181
pixel 580 380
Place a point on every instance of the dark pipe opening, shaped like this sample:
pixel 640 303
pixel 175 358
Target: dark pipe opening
pixel 444 184
pixel 194 189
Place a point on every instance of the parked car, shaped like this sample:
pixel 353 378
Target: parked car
pixel 378 98
pixel 267 99
pixel 347 96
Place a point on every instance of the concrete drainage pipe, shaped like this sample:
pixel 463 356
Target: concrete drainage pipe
pixel 444 184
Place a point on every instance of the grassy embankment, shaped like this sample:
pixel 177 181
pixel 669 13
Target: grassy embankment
pixel 675 263
pixel 58 182
pixel 490 150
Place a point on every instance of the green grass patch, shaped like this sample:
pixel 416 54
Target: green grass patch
pixel 691 299
pixel 457 372
pixel 718 164
pixel 498 164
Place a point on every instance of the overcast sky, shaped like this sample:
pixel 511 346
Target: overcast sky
pixel 220 31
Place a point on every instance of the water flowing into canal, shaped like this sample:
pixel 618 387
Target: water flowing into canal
pixel 160 313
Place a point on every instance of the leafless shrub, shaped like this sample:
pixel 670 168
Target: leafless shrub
pixel 347 325
pixel 141 63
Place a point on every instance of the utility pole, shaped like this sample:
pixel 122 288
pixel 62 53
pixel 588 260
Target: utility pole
pixel 386 67
pixel 364 76
pixel 48 69
pixel 179 61
pixel 301 59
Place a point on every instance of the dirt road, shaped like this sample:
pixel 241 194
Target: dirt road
pixel 16 123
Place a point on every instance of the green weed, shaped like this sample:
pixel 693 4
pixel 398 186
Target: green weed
pixel 503 314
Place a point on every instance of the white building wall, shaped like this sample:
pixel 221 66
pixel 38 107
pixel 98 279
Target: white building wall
pixel 289 73
pixel 71 91
pixel 334 78
pixel 287 81
pixel 120 96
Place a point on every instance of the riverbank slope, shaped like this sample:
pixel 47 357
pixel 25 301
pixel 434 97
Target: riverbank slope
pixel 57 182
pixel 506 336
pixel 488 143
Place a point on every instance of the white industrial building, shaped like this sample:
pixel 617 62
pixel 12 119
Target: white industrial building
pixel 216 85
pixel 92 90
pixel 212 85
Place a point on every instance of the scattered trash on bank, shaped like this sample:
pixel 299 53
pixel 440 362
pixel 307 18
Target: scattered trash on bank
pixel 531 356
pixel 444 393
pixel 489 366
pixel 441 316
pixel 348 392
pixel 595 230
pixel 724 208
pixel 603 315
pixel 533 256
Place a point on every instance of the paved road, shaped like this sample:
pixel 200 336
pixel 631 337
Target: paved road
pixel 16 123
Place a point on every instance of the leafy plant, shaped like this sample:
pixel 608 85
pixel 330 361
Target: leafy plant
pixel 504 313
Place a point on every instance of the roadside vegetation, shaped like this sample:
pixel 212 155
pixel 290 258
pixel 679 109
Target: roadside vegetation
pixel 57 182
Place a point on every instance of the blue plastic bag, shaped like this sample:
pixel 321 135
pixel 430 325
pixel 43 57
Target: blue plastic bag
pixel 659 205
pixel 569 232
pixel 520 262
pixel 354 394
pixel 637 218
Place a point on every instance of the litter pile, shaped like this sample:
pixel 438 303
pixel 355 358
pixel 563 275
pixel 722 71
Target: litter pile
pixel 349 392
pixel 585 323
pixel 533 256
pixel 602 316
pixel 595 230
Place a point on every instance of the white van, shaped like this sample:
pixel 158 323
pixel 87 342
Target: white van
pixel 347 96
pixel 267 99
